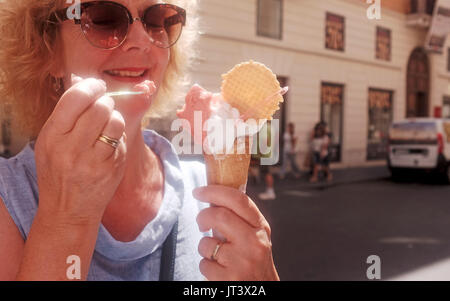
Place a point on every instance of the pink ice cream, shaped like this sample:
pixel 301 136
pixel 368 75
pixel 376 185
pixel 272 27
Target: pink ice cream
pixel 197 100
pixel 215 112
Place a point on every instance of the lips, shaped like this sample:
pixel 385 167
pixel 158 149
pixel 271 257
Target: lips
pixel 128 74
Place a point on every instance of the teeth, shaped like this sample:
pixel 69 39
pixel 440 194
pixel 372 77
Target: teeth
pixel 125 73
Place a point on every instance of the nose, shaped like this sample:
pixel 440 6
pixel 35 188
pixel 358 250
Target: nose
pixel 137 37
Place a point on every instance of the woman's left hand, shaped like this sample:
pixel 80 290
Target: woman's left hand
pixel 247 253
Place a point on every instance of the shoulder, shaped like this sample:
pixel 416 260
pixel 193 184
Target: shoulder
pixel 18 188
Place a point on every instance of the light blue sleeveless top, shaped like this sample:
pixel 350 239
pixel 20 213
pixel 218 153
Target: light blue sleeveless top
pixel 112 259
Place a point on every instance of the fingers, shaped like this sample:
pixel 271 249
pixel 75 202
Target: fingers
pixel 114 129
pixel 232 199
pixel 75 101
pixel 92 122
pixel 75 79
pixel 227 223
pixel 213 271
pixel 207 247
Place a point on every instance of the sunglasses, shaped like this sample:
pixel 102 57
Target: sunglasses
pixel 106 24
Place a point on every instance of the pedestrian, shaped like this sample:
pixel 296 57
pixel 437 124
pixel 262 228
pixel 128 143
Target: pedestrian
pixel 289 153
pixel 320 152
pixel 92 186
pixel 265 171
pixel 327 161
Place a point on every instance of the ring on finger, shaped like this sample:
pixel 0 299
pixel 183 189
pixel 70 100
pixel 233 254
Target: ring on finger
pixel 216 250
pixel 114 143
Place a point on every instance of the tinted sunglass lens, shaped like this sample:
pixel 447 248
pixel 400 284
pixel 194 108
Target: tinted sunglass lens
pixel 105 25
pixel 164 25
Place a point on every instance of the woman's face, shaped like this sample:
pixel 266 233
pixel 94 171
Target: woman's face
pixel 135 61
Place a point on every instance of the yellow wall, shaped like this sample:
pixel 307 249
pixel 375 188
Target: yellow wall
pixel 401 6
pixel 229 36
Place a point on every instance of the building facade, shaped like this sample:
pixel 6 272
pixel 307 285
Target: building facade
pixel 355 73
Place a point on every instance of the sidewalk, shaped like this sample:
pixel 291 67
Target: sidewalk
pixel 359 174
pixel 340 177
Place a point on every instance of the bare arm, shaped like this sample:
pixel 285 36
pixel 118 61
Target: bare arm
pixel 43 256
pixel 11 246
pixel 77 176
pixel 51 241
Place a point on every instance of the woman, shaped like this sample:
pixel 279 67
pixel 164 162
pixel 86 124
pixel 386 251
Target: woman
pixel 91 187
pixel 319 146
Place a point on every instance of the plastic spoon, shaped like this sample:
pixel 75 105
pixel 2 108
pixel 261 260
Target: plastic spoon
pixel 123 93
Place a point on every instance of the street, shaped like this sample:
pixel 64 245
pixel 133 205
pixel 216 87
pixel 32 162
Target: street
pixel 327 232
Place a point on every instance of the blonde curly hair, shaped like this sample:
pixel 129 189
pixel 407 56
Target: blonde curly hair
pixel 31 48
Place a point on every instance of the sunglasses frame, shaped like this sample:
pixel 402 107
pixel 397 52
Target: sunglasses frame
pixel 61 16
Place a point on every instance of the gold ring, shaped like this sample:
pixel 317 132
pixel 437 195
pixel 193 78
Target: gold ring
pixel 216 250
pixel 108 140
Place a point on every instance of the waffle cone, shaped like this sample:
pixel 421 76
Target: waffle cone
pixel 248 87
pixel 229 170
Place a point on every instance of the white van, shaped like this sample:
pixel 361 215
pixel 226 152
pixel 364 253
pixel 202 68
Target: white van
pixel 420 144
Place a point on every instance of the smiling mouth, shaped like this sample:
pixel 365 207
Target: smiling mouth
pixel 127 73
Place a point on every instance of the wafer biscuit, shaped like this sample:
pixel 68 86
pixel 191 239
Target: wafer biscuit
pixel 252 88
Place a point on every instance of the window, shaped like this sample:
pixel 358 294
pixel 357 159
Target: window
pixel 414 6
pixel 380 118
pixel 335 32
pixel 448 59
pixel 430 6
pixel 422 6
pixel 383 44
pixel 270 19
pixel 446 107
pixel 332 104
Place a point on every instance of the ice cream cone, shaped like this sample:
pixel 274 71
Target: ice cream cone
pixel 230 169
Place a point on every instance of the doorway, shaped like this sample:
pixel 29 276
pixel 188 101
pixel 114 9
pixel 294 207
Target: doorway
pixel 380 119
pixel 418 84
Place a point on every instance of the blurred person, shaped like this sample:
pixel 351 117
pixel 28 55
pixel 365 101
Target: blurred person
pixel 289 153
pixel 91 182
pixel 327 161
pixel 266 135
pixel 320 154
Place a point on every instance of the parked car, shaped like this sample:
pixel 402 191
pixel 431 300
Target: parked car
pixel 420 144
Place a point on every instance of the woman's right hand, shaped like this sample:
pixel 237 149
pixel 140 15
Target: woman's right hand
pixel 78 174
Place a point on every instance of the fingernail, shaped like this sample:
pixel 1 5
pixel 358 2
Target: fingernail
pixel 102 82
pixel 195 193
pixel 75 79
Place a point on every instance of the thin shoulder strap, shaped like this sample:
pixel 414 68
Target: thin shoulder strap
pixel 168 255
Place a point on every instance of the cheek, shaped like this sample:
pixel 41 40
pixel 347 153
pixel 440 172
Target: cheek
pixel 80 57
pixel 163 62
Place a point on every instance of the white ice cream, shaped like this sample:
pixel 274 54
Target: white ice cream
pixel 225 126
